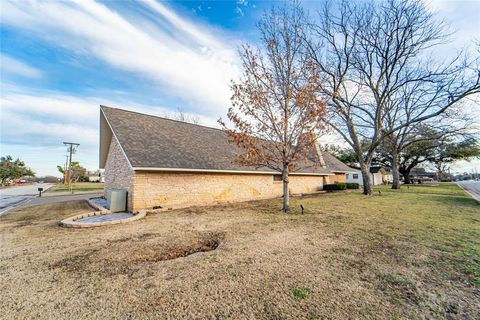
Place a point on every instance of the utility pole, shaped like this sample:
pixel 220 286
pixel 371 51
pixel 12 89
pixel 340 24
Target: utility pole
pixel 71 150
pixel 65 170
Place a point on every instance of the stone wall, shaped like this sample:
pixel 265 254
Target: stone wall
pixel 339 177
pixel 118 173
pixel 180 189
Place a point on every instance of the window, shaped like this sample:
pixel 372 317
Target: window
pixel 355 176
pixel 277 178
pixel 347 175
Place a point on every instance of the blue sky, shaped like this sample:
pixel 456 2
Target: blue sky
pixel 61 60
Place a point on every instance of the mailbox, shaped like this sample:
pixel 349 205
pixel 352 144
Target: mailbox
pixel 40 191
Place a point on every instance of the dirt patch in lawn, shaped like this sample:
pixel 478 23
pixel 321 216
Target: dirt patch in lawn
pixel 124 255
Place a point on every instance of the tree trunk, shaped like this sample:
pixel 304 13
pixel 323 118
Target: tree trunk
pixel 406 177
pixel 286 197
pixel 367 181
pixel 439 168
pixel 395 173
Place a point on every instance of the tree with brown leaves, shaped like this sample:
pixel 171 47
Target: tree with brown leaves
pixel 276 112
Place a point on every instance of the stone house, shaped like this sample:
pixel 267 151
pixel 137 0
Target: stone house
pixel 173 164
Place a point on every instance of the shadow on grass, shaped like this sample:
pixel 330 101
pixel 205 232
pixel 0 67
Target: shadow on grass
pixel 454 193
pixel 461 201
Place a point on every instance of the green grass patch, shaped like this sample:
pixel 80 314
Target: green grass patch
pixel 78 187
pixel 442 220
pixel 301 293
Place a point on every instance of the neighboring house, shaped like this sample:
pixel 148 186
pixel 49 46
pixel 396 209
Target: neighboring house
pixel 354 177
pixel 96 176
pixel 378 175
pixel 173 164
pixel 387 177
pixel 419 175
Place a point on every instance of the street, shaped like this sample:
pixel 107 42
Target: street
pixel 17 195
pixel 472 187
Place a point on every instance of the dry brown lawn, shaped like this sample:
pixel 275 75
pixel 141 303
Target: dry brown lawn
pixel 408 254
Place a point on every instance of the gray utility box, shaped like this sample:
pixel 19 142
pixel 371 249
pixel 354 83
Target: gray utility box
pixel 117 200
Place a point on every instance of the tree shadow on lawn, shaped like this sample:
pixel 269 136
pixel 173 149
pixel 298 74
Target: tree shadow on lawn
pixel 405 191
pixel 460 201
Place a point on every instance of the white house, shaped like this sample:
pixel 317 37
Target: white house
pixel 96 176
pixel 354 177
pixel 378 175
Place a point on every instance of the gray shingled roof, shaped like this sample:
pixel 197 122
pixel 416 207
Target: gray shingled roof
pixel 377 168
pixel 155 142
pixel 334 164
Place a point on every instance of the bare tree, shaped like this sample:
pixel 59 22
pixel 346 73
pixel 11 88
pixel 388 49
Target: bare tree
pixel 413 147
pixel 180 115
pixel 411 102
pixel 275 107
pixel 369 53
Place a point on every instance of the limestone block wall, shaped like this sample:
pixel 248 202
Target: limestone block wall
pixel 305 184
pixel 339 177
pixel 118 173
pixel 180 189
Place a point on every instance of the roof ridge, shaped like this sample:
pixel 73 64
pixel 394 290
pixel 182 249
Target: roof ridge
pixel 163 118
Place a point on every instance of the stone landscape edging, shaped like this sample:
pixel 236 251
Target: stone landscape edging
pixel 72 221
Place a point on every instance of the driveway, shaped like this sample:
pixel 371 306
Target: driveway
pixel 15 196
pixel 472 187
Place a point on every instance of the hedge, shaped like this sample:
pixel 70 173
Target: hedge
pixel 334 186
pixel 352 185
pixel 340 186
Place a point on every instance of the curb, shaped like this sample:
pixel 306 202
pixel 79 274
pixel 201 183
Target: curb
pixel 474 196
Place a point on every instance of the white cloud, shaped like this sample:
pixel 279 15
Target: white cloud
pixel 9 65
pixel 35 124
pixel 189 61
pixel 197 34
pixel 63 108
pixel 462 19
pixel 239 11
pixel 48 119
pixel 48 116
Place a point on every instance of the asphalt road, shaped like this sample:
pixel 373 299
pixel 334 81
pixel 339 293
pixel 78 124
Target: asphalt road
pixel 18 195
pixel 472 187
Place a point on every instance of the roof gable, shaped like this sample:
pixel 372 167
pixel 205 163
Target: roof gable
pixel 377 169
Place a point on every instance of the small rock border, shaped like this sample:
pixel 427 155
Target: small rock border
pixel 99 210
